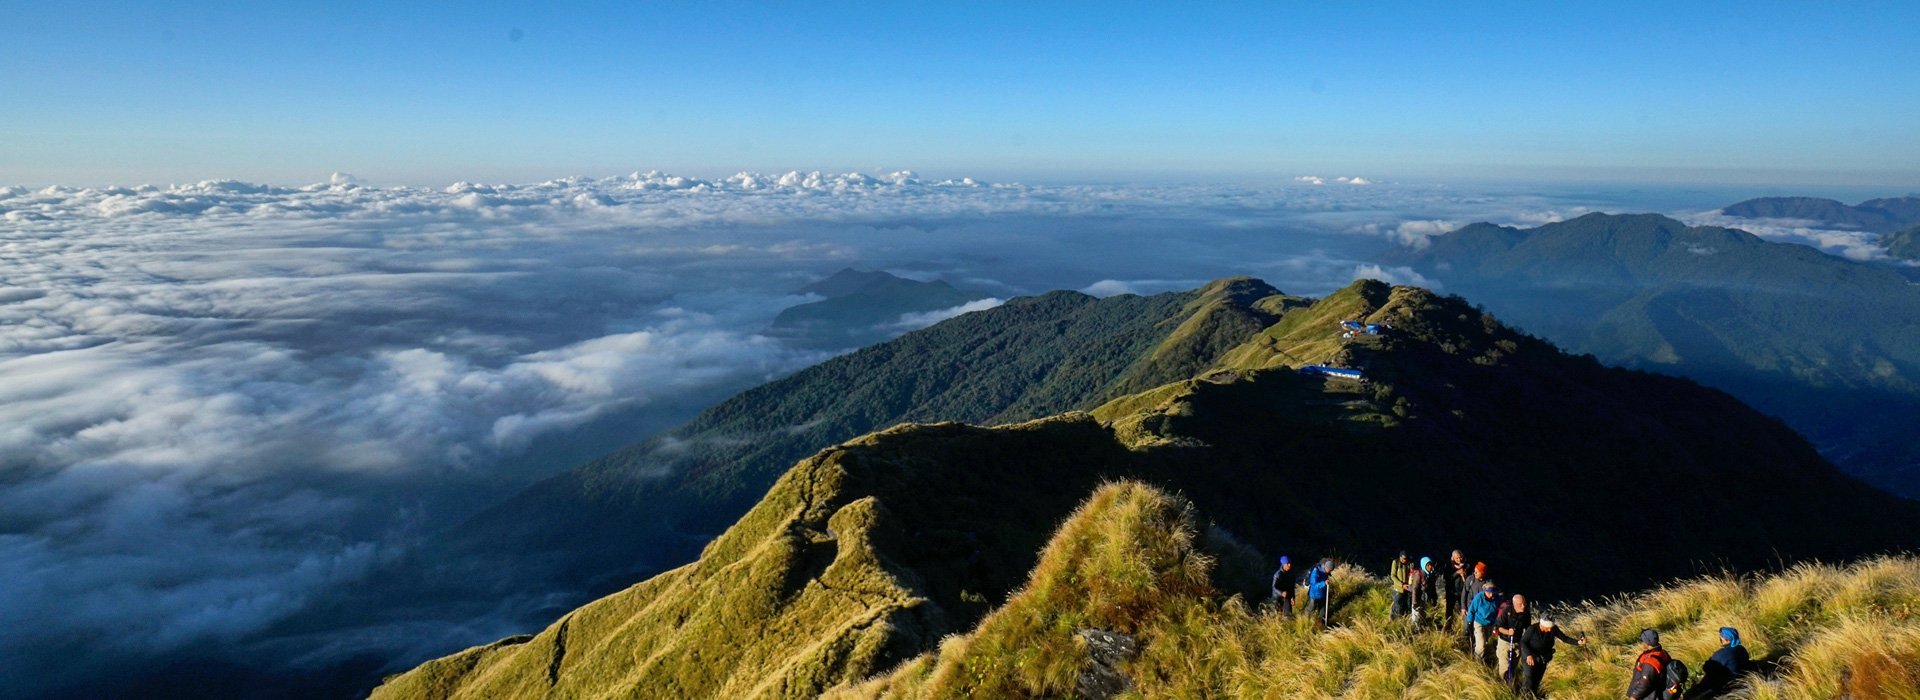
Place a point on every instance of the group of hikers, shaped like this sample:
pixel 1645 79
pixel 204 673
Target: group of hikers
pixel 1501 630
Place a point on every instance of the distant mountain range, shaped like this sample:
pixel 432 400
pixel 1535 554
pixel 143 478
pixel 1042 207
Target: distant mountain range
pixel 1884 215
pixel 1831 345
pixel 1572 478
pixel 862 308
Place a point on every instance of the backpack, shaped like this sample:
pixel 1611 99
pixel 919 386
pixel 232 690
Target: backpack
pixel 1676 678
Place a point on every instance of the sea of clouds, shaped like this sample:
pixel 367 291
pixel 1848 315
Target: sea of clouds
pixel 221 401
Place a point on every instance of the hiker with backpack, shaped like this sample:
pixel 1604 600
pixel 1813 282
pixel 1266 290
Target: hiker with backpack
pixel 1536 650
pixel 1724 667
pixel 1512 619
pixel 1319 591
pixel 1399 573
pixel 1284 580
pixel 1656 674
pixel 1470 592
pixel 1480 616
pixel 1421 586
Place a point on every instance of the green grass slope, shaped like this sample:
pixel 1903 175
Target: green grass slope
pixel 1467 434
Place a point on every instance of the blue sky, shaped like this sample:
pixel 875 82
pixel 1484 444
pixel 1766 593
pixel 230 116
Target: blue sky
pixel 1825 93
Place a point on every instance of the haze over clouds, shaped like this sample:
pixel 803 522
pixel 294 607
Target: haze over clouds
pixel 220 401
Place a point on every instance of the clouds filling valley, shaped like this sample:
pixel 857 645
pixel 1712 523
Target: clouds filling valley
pixel 221 403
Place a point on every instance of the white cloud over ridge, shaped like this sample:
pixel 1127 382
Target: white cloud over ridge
pixel 1849 244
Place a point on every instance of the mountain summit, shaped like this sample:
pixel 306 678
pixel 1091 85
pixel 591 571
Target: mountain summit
pixel 1577 479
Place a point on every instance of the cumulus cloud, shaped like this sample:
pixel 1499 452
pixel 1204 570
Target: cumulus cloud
pixel 914 322
pixel 1398 274
pixel 1310 180
pixel 1108 288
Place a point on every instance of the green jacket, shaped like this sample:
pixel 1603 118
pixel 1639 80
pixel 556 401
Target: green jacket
pixel 1397 572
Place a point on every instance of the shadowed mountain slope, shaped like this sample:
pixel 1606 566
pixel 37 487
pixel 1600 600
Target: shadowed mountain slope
pixel 1830 345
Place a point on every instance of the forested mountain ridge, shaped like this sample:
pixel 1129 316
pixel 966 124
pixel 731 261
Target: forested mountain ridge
pixel 651 506
pixel 1830 345
pixel 867 554
pixel 1883 215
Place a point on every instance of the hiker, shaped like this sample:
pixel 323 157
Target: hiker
pixel 1513 619
pixel 1319 582
pixel 1453 596
pixel 1398 573
pixel 1536 649
pixel 1650 669
pixel 1475 581
pixel 1726 665
pixel 1420 584
pixel 1480 616
pixel 1284 581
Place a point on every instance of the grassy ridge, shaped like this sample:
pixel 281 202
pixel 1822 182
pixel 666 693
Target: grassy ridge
pixel 1131 561
pixel 1468 434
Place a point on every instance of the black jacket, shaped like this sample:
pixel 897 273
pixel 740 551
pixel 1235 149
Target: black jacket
pixel 1537 643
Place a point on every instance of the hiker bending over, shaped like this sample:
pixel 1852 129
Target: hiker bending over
pixel 1513 619
pixel 1536 650
pixel 1399 573
pixel 1650 669
pixel 1726 664
pixel 1480 620
pixel 1284 580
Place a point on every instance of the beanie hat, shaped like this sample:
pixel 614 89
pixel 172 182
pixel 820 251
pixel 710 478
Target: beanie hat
pixel 1426 562
pixel 1650 637
pixel 1480 570
pixel 1731 635
pixel 1284 560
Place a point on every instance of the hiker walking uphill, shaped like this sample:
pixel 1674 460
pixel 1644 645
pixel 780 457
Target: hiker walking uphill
pixel 1421 585
pixel 1727 663
pixel 1284 581
pixel 1399 573
pixel 1656 675
pixel 1475 581
pixel 1536 650
pixel 1480 616
pixel 1454 587
pixel 1508 624
pixel 1319 591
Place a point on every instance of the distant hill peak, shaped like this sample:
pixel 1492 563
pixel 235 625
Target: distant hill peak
pixel 1883 215
pixel 849 281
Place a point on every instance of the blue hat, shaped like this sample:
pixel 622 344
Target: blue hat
pixel 1650 637
pixel 1284 560
pixel 1426 562
pixel 1731 635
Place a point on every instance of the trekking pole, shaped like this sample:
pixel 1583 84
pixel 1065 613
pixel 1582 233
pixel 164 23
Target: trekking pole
pixel 1326 605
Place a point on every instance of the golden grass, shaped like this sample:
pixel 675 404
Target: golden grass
pixel 1828 631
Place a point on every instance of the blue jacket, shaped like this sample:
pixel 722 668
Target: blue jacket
pixel 1482 610
pixel 1317 583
